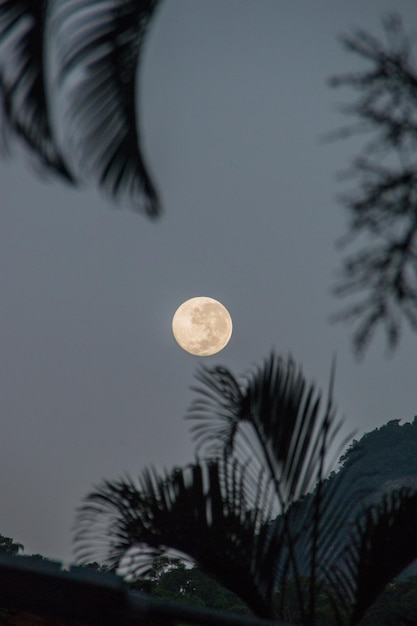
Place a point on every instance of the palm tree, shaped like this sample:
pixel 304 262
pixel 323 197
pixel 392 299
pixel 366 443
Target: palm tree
pixel 98 52
pixel 262 443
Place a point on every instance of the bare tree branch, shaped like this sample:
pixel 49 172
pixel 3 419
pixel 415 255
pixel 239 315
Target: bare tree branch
pixel 383 206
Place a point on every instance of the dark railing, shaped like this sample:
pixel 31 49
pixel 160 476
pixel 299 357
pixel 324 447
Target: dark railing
pixel 97 598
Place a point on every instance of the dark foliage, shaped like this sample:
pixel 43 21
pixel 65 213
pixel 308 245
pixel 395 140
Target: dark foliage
pixel 389 452
pixel 397 606
pixel 218 511
pixel 23 83
pixel 383 206
pixel 175 511
pixel 375 554
pixel 9 546
pixel 171 579
pixel 100 46
pixel 382 461
pixel 263 441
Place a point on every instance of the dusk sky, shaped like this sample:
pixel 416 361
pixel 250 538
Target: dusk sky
pixel 234 104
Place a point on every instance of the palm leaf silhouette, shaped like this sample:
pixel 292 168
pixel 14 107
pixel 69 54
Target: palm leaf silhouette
pixel 201 511
pixel 383 542
pixel 99 50
pixel 104 43
pixel 274 417
pixel 240 513
pixel 287 433
pixel 23 90
pixel 220 511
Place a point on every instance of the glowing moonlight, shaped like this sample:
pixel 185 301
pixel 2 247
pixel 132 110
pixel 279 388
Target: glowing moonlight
pixel 202 326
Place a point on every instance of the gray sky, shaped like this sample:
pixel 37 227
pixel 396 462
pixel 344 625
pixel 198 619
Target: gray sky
pixel 92 385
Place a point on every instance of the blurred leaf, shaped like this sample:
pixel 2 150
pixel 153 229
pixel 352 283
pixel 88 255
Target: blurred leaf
pixel 23 95
pixel 101 44
pixel 383 205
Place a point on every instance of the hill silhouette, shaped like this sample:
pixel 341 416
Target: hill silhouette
pixel 383 460
pixel 382 456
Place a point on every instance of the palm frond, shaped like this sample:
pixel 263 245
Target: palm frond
pixel 289 431
pixel 23 93
pixel 317 524
pixel 101 46
pixel 383 542
pixel 275 418
pixel 201 511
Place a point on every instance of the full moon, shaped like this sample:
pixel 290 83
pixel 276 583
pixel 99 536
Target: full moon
pixel 202 326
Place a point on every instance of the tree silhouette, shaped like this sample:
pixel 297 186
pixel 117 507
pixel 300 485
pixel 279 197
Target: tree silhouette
pixel 383 205
pixel 98 52
pixel 262 444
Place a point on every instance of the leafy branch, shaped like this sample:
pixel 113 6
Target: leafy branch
pixel 382 208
